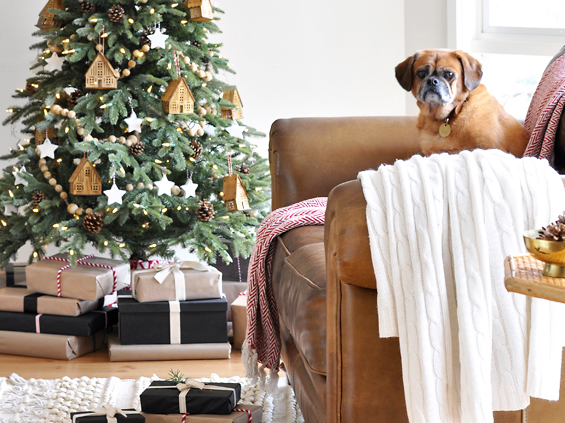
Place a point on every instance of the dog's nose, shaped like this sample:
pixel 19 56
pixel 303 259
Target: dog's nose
pixel 433 81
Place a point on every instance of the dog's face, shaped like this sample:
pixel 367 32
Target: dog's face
pixel 438 78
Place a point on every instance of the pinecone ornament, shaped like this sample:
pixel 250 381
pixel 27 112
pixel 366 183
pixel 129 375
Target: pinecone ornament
pixel 555 231
pixel 37 197
pixel 136 149
pixel 87 6
pixel 144 37
pixel 197 148
pixel 73 98
pixel 116 13
pixel 93 222
pixel 205 212
pixel 30 88
pixel 242 169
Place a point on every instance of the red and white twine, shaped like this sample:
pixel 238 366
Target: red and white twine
pixel 81 261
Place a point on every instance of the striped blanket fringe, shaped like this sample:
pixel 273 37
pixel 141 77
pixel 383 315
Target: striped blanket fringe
pixel 545 111
pixel 262 346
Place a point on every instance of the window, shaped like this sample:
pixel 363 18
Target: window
pixel 513 39
pixel 78 187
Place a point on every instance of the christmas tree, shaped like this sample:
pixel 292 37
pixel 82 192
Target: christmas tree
pixel 133 141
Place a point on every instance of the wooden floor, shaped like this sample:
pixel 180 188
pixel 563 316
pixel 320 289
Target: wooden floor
pixel 97 364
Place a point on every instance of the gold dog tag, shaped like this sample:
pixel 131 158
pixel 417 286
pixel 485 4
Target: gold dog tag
pixel 445 130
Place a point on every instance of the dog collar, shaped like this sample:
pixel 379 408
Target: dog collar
pixel 445 127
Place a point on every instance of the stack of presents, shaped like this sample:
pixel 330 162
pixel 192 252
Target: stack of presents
pixel 170 311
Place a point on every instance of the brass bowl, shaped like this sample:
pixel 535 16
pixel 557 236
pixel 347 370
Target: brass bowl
pixel 552 253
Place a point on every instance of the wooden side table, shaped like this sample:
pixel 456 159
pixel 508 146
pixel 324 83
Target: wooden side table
pixel 523 274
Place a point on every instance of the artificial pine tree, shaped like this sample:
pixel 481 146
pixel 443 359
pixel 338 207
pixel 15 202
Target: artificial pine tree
pixel 116 160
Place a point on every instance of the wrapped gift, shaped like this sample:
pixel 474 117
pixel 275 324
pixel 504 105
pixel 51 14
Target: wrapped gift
pixel 159 352
pixel 23 300
pixel 247 413
pixel 108 414
pixel 172 322
pixel 91 279
pixel 176 282
pixel 192 397
pixel 83 325
pixel 239 319
pixel 13 274
pixel 44 345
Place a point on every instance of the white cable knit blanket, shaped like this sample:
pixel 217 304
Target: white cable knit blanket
pixel 440 228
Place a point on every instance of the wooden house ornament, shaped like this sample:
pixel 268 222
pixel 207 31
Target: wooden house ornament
pixel 233 97
pixel 200 10
pixel 85 180
pixel 47 19
pixel 235 196
pixel 101 75
pixel 178 98
pixel 40 136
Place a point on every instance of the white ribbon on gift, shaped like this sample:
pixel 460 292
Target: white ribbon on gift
pixel 174 322
pixel 105 410
pixel 187 385
pixel 164 270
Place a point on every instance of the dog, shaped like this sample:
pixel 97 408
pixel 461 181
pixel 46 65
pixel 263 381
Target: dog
pixel 456 111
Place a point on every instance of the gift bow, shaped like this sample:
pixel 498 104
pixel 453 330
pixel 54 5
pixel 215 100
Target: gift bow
pixel 164 270
pixel 189 383
pixel 105 410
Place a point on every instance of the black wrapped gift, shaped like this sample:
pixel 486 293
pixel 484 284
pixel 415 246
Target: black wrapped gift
pixel 172 322
pixel 108 414
pixel 84 325
pixel 164 397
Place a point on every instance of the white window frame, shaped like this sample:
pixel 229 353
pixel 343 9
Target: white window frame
pixel 468 30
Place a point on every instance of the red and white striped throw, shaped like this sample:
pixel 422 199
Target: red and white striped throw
pixel 545 111
pixel 262 343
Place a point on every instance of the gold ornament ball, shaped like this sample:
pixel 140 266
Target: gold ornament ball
pixel 72 208
pixel 193 67
pixel 192 132
pixel 131 63
pixel 58 188
pixel 122 140
pixel 136 53
pixel 52 182
pixel 186 60
pixel 200 132
pixel 65 112
pixel 126 72
pixel 149 186
pixel 47 175
pixel 80 131
pixel 99 47
pixel 79 211
pixel 63 195
pixel 175 190
pixel 44 168
pixel 140 185
pixel 145 48
pixel 71 114
pixel 112 138
pixel 129 187
pixel 88 210
pixel 41 162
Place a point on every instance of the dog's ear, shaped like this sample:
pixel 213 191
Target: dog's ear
pixel 403 72
pixel 472 70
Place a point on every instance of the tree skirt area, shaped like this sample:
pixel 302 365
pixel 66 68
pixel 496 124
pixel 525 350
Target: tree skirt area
pixel 46 401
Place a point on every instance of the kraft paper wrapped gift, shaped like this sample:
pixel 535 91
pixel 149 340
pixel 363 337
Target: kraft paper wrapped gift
pixel 172 322
pixel 43 345
pixel 159 352
pixel 83 325
pixel 108 414
pixel 234 417
pixel 23 300
pixel 239 318
pixel 87 281
pixel 14 274
pixel 192 397
pixel 176 282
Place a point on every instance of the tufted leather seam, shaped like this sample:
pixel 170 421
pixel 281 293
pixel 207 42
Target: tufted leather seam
pixel 308 280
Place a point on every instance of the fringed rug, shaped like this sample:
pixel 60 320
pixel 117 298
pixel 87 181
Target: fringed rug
pixel 52 400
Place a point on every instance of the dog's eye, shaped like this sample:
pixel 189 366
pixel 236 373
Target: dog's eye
pixel 422 73
pixel 448 75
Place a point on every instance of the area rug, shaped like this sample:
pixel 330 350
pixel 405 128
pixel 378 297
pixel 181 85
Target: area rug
pixel 52 400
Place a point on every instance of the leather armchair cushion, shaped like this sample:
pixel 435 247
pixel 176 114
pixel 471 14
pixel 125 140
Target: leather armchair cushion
pixel 299 284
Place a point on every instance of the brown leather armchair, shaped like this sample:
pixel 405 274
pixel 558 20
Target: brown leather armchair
pixel 324 284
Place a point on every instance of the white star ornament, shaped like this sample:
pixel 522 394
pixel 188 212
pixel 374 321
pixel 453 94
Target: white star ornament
pixel 133 122
pixel 189 189
pixel 47 149
pixel 235 130
pixel 19 179
pixel 55 62
pixel 158 39
pixel 164 186
pixel 114 194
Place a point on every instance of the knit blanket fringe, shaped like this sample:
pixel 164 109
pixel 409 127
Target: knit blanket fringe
pixel 262 345
pixel 439 230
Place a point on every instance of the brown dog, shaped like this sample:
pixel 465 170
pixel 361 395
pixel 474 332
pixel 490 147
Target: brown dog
pixel 456 111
